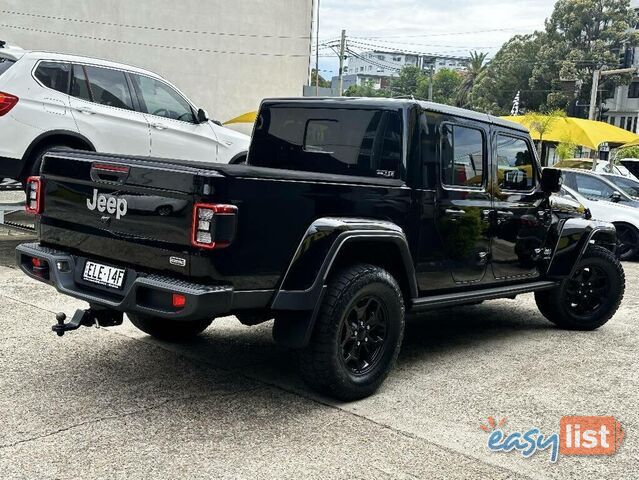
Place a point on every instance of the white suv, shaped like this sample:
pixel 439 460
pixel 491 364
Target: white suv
pixel 51 100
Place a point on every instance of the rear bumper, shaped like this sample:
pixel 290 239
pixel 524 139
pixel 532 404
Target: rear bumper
pixel 141 293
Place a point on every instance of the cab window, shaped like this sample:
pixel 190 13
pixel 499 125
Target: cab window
pixel 109 87
pixel 462 156
pixel 157 98
pixel 54 75
pixel 516 169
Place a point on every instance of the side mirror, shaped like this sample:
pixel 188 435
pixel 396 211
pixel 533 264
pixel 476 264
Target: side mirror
pixel 202 116
pixel 552 180
pixel 615 197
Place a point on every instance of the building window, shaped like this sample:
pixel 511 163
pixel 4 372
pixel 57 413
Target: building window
pixel 612 120
pixel 622 122
pixel 604 118
pixel 633 90
pixel 634 125
pixel 381 57
pixel 629 124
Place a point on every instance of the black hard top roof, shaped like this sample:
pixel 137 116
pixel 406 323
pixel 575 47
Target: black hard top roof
pixel 397 103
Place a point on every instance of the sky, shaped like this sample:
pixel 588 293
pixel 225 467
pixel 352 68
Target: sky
pixel 451 27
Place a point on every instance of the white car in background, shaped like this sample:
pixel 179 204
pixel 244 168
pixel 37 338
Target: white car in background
pixel 602 166
pixel 50 100
pixel 624 217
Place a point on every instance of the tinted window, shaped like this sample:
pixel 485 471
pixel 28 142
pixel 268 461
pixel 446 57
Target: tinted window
pixel 338 141
pixel 109 87
pixel 627 185
pixel 159 99
pixel 462 156
pixel 515 164
pixel 5 63
pixel 54 75
pixel 79 84
pixel 592 187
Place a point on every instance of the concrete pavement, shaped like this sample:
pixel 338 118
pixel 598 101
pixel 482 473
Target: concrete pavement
pixel 114 403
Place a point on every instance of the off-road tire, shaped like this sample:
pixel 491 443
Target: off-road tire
pixel 322 362
pixel 169 330
pixel 555 304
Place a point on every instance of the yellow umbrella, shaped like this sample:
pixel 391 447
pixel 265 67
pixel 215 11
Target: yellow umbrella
pixel 631 144
pixel 588 133
pixel 248 117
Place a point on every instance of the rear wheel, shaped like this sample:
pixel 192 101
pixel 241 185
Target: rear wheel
pixel 170 330
pixel 628 237
pixel 35 162
pixel 357 335
pixel 590 297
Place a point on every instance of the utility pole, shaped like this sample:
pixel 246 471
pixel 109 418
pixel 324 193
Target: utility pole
pixel 430 84
pixel 317 28
pixel 342 47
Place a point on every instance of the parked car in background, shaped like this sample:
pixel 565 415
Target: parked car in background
pixel 597 187
pixel 628 185
pixel 632 165
pixel 601 167
pixel 624 218
pixel 50 100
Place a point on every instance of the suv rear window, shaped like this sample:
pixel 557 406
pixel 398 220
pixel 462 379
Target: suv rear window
pixel 329 140
pixel 5 63
pixel 54 75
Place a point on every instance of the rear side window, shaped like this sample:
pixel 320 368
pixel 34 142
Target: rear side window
pixel 54 75
pixel 109 87
pixel 5 63
pixel 79 83
pixel 462 156
pixel 326 140
pixel 516 168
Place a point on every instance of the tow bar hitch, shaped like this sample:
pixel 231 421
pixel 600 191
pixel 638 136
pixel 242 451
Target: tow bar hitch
pixel 87 318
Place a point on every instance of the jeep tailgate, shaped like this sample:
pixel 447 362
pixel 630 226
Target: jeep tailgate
pixel 130 210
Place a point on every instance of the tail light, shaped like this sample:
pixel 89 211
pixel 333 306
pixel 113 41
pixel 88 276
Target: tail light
pixel 213 225
pixel 7 102
pixel 34 195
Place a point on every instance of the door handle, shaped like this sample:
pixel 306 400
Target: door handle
pixel 158 126
pixel 454 212
pixel 85 110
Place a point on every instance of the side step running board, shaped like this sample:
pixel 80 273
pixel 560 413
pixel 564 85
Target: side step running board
pixel 464 298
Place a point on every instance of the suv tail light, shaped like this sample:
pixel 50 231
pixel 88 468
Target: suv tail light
pixel 34 195
pixel 213 225
pixel 7 102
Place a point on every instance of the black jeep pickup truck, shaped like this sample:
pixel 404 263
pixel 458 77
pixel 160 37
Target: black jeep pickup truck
pixel 349 215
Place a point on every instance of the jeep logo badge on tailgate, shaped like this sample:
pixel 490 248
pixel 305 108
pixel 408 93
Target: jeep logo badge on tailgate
pixel 107 203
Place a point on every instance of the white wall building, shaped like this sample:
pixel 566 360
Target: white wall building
pixel 379 66
pixel 225 55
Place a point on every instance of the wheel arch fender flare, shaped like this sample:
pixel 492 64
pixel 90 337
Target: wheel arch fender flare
pixel 298 299
pixel 45 137
pixel 572 240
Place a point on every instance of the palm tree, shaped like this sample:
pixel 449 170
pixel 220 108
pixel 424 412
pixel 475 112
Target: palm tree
pixel 476 67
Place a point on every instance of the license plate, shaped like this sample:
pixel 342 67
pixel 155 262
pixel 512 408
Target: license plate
pixel 103 275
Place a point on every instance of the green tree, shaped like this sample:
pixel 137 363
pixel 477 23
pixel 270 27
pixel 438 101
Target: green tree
pixel 474 71
pixel 322 82
pixel 366 89
pixel 446 84
pixel 580 36
pixel 408 82
pixel 507 73
pixel 542 123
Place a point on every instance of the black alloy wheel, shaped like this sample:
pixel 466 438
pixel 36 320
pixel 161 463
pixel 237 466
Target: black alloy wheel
pixel 587 290
pixel 363 335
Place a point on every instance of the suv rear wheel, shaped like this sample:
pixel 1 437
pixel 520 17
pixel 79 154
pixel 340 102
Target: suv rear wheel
pixel 590 297
pixel 357 335
pixel 170 330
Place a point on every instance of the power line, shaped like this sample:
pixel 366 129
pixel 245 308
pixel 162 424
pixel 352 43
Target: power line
pixel 162 29
pixel 447 33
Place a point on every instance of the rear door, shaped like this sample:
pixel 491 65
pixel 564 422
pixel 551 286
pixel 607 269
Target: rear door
pixel 105 111
pixel 521 215
pixel 464 201
pixel 175 132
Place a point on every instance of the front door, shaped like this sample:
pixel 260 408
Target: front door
pixel 463 209
pixel 521 211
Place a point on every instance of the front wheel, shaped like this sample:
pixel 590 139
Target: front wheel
pixel 169 330
pixel 590 297
pixel 357 335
